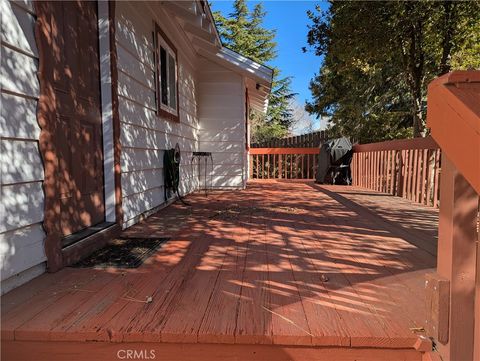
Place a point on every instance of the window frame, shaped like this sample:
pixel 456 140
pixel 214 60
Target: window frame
pixel 165 111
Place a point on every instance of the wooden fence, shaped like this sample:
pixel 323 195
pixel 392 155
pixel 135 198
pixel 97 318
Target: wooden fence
pixel 283 163
pixel 310 140
pixel 408 168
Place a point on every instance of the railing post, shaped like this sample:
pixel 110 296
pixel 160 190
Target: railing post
pixel 456 263
pixel 400 173
pixel 250 162
pixel 280 157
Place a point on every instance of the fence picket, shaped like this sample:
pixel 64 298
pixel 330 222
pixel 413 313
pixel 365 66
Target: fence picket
pixel 405 168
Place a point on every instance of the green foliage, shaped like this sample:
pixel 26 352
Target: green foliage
pixel 279 109
pixel 379 58
pixel 242 31
pixel 265 132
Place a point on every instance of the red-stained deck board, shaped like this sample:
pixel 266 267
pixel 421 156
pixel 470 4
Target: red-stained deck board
pixel 41 301
pixel 21 295
pixel 282 262
pixel 289 321
pixel 325 323
pixel 227 290
pixel 329 254
pixel 361 326
pixel 40 326
pixel 91 316
pixel 129 288
pixel 137 318
pixel 396 288
pixel 179 322
pixel 185 313
pixel 253 324
pixel 389 285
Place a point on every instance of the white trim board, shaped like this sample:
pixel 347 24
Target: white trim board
pixel 107 114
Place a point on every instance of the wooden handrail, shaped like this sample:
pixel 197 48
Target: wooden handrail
pixel 397 144
pixel 284 150
pixel 283 163
pixel 453 115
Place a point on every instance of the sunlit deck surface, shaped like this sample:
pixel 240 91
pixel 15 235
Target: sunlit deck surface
pixel 283 263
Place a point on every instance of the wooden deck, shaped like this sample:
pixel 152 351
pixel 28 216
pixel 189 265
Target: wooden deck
pixel 289 269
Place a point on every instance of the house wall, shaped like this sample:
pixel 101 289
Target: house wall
pixel 206 89
pixel 221 114
pixel 21 170
pixel 144 135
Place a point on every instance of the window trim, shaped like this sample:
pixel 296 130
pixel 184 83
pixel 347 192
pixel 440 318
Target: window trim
pixel 164 111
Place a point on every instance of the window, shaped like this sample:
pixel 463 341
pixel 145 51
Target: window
pixel 167 76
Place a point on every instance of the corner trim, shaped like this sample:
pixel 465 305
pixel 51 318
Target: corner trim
pixel 107 116
pixel 117 149
pixel 46 110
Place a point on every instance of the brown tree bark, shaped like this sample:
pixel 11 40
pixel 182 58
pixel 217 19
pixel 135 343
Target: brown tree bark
pixel 416 61
pixel 449 8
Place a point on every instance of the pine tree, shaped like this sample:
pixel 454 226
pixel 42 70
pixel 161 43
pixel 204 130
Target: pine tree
pixel 379 57
pixel 242 31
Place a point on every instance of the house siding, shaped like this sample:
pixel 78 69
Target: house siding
pixel 211 108
pixel 144 136
pixel 22 254
pixel 222 124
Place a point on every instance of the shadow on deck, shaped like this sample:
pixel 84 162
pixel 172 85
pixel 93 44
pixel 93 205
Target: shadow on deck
pixel 280 271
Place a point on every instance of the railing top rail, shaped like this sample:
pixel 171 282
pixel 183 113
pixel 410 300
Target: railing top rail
pixel 453 115
pixel 284 150
pixel 398 144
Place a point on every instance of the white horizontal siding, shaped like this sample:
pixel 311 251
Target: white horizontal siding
pixel 227 181
pixel 19 279
pixel 129 64
pixel 22 205
pixel 139 181
pixel 138 203
pixel 147 138
pixel 223 158
pixel 132 89
pixel 19 72
pixel 18 33
pixel 144 135
pixel 218 103
pixel 138 159
pixel 228 122
pixel 23 160
pixel 132 113
pixel 217 76
pixel 227 135
pixel 18 117
pixel 223 147
pixel 222 124
pixel 20 248
pixel 21 170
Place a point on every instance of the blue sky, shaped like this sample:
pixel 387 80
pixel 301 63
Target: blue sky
pixel 290 20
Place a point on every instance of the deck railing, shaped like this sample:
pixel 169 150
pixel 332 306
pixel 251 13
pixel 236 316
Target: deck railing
pixel 453 292
pixel 408 168
pixel 283 163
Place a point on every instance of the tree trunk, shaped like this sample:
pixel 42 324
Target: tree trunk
pixel 418 122
pixel 416 63
pixel 448 31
